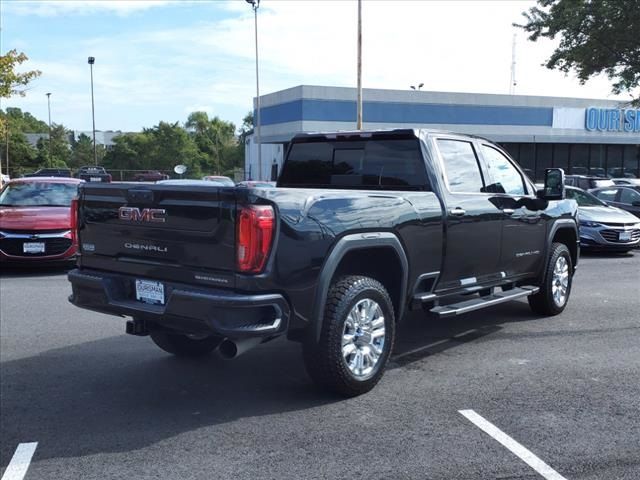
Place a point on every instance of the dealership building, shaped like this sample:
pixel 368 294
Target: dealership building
pixel 582 136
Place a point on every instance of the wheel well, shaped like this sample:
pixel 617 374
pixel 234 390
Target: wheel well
pixel 381 263
pixel 568 237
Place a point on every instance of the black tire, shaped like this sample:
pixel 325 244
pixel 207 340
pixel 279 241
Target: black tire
pixel 543 302
pixel 324 358
pixel 183 345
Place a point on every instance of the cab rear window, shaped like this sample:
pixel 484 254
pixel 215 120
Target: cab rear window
pixel 389 164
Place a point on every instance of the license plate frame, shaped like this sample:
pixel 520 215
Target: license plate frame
pixel 624 236
pixel 150 292
pixel 33 247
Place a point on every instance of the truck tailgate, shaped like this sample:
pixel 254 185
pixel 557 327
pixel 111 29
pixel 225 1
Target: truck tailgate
pixel 182 233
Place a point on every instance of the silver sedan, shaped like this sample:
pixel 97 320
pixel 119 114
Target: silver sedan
pixel 604 227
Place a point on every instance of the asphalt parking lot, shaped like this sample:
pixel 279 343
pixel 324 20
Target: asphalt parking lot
pixel 101 404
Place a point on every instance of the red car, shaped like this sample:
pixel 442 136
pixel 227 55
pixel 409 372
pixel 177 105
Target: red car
pixel 37 220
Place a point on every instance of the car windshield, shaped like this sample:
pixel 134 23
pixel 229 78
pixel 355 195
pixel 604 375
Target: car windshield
pixel 33 194
pixel 584 199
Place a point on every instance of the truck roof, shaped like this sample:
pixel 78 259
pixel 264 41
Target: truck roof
pixel 399 132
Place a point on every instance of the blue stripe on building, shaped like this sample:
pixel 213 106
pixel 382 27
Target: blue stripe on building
pixel 415 113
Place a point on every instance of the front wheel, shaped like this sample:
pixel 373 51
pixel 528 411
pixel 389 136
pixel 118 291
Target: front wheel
pixel 356 338
pixel 184 345
pixel 556 286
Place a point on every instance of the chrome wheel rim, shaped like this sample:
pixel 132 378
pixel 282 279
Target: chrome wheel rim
pixel 560 281
pixel 363 338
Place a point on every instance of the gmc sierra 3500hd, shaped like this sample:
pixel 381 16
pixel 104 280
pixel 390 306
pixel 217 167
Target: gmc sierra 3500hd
pixel 361 227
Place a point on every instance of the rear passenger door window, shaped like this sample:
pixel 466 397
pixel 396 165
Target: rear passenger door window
pixel 608 195
pixel 504 177
pixel 628 196
pixel 461 166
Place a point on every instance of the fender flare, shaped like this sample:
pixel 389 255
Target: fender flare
pixel 347 244
pixel 564 224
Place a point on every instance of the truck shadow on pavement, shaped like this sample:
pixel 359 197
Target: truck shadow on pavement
pixel 121 393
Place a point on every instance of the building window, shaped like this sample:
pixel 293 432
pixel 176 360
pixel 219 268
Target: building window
pixel 579 159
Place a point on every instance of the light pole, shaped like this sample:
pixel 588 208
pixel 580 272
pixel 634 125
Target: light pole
pixel 49 108
pixel 419 87
pixel 91 61
pixel 255 4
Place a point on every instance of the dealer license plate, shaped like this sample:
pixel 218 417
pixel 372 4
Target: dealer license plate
pixel 625 236
pixel 33 247
pixel 150 292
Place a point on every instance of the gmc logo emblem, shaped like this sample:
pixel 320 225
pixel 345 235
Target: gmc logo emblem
pixel 133 214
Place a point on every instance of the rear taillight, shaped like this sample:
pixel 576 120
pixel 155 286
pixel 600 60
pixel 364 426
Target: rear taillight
pixel 74 222
pixel 254 236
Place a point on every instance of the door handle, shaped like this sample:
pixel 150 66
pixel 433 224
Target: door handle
pixel 508 211
pixel 458 212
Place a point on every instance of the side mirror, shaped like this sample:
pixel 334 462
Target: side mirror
pixel 553 185
pixel 636 203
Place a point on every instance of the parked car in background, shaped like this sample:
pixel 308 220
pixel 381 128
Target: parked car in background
pixel 37 220
pixel 603 227
pixel 50 172
pixel 150 176
pixel 587 183
pixel 626 197
pixel 94 174
pixel 224 181
pixel 627 181
pixel 256 184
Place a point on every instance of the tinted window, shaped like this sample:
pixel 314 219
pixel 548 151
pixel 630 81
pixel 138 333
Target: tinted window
pixel 461 165
pixel 504 176
pixel 607 195
pixel 392 164
pixel 629 196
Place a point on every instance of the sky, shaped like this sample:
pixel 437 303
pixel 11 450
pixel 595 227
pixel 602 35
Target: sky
pixel 160 60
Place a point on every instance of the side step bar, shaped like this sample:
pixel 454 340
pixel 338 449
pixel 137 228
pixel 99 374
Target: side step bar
pixel 444 311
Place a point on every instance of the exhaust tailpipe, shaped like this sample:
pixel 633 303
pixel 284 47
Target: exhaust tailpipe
pixel 229 349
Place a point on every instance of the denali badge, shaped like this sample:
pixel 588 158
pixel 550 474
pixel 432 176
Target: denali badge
pixel 145 247
pixel 134 214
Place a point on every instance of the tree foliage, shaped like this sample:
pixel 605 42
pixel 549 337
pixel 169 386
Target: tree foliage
pixel 596 36
pixel 12 82
pixel 206 146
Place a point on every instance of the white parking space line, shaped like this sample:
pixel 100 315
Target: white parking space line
pixel 19 464
pixel 514 447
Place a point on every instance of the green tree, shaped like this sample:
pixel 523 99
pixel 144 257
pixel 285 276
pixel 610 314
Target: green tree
pixel 81 152
pixel 170 145
pixel 11 82
pixel 216 139
pixel 24 122
pixel 596 36
pixel 22 155
pixel 59 154
pixel 127 152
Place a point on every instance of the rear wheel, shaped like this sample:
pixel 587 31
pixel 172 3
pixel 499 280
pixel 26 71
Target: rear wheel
pixel 356 338
pixel 556 286
pixel 184 345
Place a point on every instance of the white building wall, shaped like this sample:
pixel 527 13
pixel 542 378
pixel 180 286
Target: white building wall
pixel 272 153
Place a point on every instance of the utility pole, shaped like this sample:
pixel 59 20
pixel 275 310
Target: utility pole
pixel 512 82
pixel 255 4
pixel 359 102
pixel 49 108
pixel 91 61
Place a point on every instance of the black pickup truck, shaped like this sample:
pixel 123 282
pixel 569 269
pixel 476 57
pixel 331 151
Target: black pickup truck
pixel 93 174
pixel 360 228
